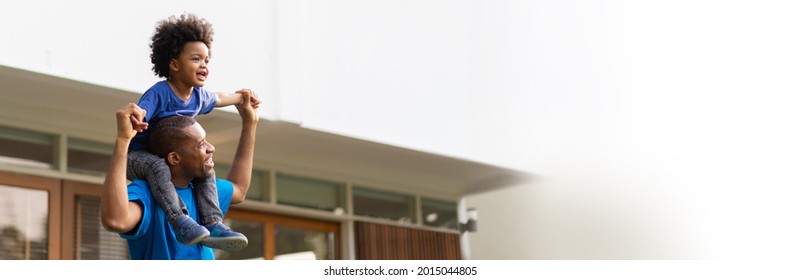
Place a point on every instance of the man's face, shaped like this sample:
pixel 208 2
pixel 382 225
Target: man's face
pixel 196 153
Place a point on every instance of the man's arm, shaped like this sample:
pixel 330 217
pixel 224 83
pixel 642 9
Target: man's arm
pixel 242 168
pixel 116 212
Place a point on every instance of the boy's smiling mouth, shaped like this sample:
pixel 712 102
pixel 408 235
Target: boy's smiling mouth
pixel 202 75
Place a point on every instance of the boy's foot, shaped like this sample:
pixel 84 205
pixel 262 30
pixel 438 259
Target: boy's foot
pixel 188 232
pixel 223 237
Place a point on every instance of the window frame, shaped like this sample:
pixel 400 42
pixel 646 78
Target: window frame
pixel 53 188
pixel 270 220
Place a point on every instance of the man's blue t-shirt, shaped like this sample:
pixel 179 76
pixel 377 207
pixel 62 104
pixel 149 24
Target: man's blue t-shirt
pixel 160 102
pixel 154 238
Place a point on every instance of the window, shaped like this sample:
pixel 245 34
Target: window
pixel 282 237
pixel 27 148
pixel 23 223
pixel 255 241
pixel 309 193
pixel 92 241
pixel 300 243
pixel 439 213
pixel 382 204
pixel 88 157
pixel 259 182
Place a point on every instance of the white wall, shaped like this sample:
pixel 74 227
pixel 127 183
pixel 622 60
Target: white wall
pixel 660 129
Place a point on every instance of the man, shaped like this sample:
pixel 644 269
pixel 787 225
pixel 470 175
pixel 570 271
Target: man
pixel 130 209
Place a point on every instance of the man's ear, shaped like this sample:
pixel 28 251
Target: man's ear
pixel 173 158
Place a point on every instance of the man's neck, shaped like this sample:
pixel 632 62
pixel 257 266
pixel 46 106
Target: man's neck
pixel 178 179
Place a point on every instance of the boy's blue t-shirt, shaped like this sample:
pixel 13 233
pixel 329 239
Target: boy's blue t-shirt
pixel 154 238
pixel 160 102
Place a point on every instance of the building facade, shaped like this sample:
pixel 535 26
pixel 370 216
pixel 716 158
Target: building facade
pixel 313 195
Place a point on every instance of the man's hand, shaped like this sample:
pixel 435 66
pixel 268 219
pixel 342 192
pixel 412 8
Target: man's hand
pixel 248 109
pixel 130 119
pixel 254 102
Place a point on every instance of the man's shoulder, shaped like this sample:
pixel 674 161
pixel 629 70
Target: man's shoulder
pixel 224 193
pixel 224 185
pixel 138 189
pixel 138 183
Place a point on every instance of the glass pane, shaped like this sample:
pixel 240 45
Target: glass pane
pixel 294 243
pixel 255 241
pixel 92 241
pixel 88 157
pixel 309 193
pixel 23 223
pixel 26 148
pixel 439 213
pixel 382 204
pixel 259 182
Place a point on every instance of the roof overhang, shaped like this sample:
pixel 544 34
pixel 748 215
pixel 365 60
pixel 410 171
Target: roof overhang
pixel 78 109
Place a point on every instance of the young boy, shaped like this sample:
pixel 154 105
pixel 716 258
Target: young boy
pixel 180 52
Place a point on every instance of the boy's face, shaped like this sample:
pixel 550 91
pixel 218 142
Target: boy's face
pixel 191 65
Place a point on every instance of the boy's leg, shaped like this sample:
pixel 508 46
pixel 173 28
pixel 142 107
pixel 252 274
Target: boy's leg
pixel 205 193
pixel 144 165
pixel 222 237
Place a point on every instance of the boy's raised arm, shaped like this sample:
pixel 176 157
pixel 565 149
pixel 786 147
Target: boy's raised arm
pixel 226 99
pixel 116 212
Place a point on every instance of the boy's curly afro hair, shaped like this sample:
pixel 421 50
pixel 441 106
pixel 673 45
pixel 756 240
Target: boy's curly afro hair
pixel 170 36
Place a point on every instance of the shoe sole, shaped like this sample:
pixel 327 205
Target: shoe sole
pixel 227 244
pixel 198 239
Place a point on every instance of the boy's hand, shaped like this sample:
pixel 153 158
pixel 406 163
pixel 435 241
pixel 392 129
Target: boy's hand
pixel 130 120
pixel 137 119
pixel 251 95
pixel 138 123
pixel 247 110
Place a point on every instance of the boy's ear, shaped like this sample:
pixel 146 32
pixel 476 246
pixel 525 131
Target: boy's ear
pixel 173 65
pixel 173 158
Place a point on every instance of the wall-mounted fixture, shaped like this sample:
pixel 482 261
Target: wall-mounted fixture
pixel 472 221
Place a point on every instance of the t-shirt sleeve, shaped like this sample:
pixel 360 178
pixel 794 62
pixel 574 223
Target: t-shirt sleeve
pixel 149 102
pixel 225 193
pixel 140 193
pixel 207 102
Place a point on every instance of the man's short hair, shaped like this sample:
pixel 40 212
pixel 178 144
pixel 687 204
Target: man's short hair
pixel 168 134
